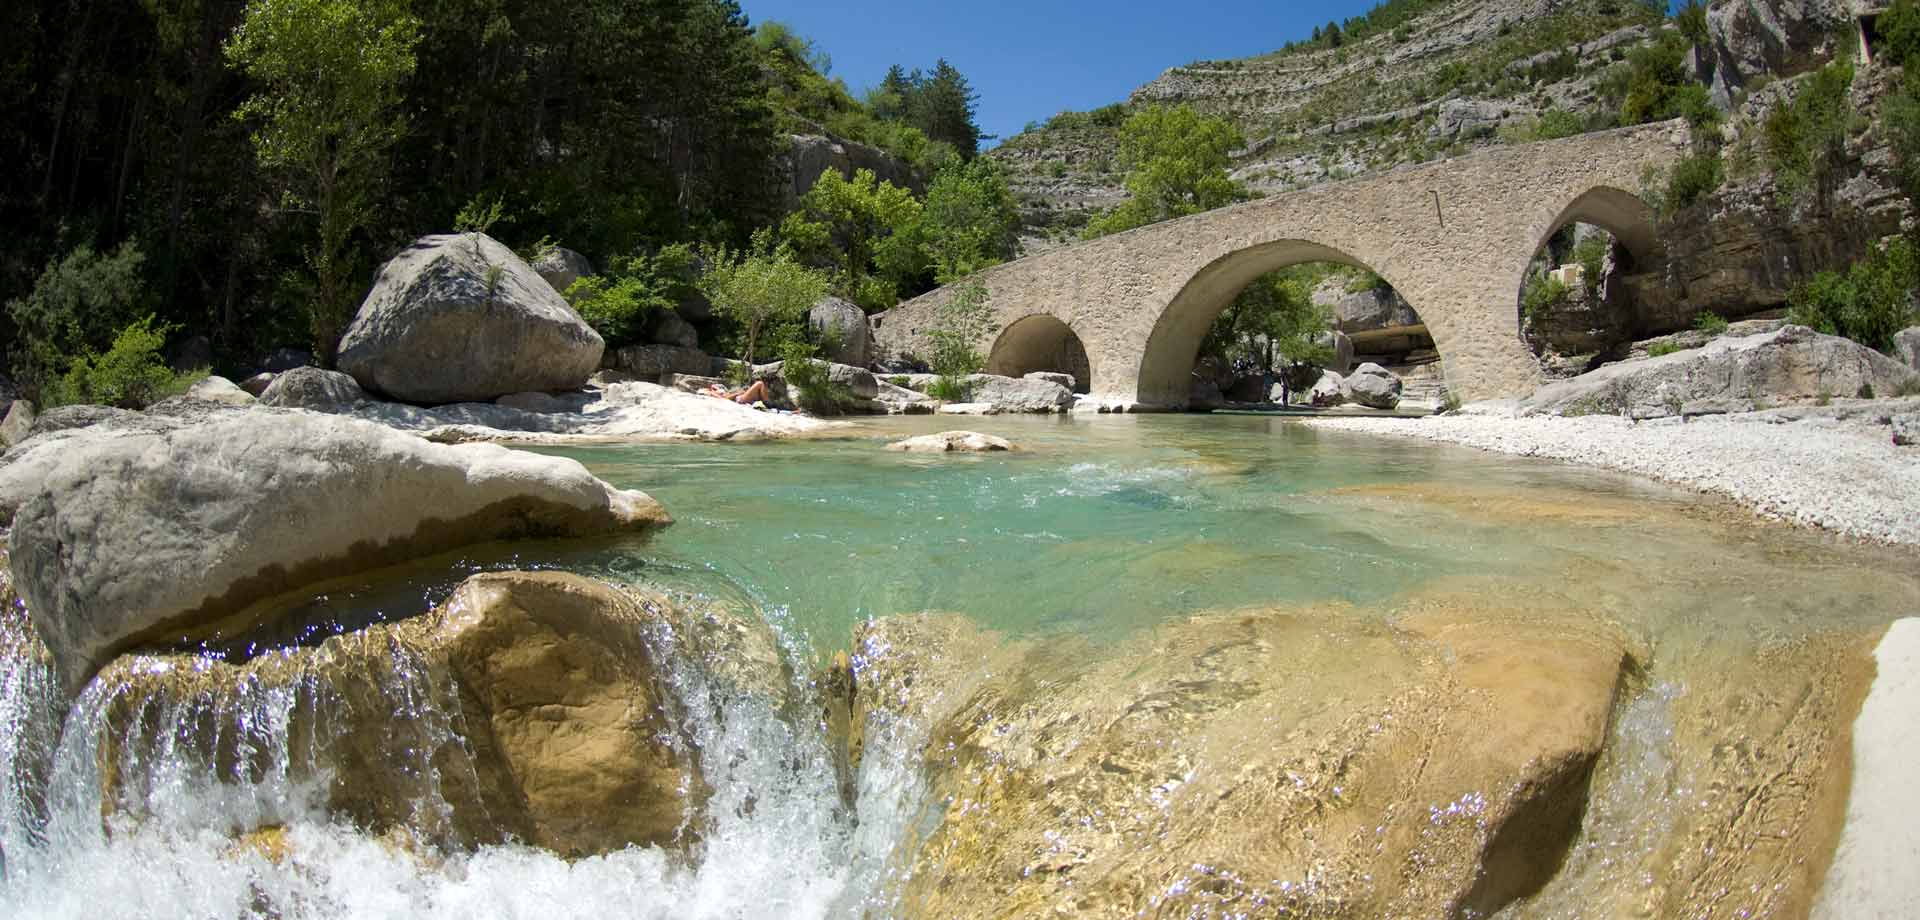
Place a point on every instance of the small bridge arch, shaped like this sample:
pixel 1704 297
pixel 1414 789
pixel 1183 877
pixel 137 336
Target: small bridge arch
pixel 1454 238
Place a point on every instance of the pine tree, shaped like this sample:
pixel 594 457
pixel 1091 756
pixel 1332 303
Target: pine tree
pixel 945 110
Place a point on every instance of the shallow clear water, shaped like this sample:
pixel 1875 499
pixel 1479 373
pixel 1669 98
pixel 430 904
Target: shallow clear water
pixel 1098 527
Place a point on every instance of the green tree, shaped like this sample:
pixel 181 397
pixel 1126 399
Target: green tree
pixel 944 108
pixel 764 291
pixel 327 109
pixel 965 319
pixel 620 302
pixel 1899 29
pixel 1176 161
pixel 1867 303
pixel 1660 87
pixel 867 232
pixel 969 221
pixel 1806 140
pixel 1272 322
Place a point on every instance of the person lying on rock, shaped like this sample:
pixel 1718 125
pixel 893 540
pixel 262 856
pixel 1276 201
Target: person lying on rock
pixel 757 393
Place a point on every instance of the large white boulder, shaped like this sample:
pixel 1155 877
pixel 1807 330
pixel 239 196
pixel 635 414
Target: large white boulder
pixel 841 328
pixel 138 531
pixel 315 389
pixel 1373 386
pixel 461 318
pixel 1731 374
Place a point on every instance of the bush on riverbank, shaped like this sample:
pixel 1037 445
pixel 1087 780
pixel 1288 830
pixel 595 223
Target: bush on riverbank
pixel 1867 303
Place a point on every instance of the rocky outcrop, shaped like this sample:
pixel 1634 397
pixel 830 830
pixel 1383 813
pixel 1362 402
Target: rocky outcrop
pixel 841 328
pixel 651 362
pixel 1065 380
pixel 8 393
pixel 129 534
pixel 1906 429
pixel 1302 760
pixel 257 384
pixel 221 390
pixel 17 424
pixel 629 410
pixel 1906 347
pixel 315 389
pixel 461 318
pixel 971 442
pixel 1748 39
pixel 560 267
pixel 560 688
pixel 1731 374
pixel 1373 386
pixel 810 155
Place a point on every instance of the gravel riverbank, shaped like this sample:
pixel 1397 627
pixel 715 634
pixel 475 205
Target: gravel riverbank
pixel 1825 470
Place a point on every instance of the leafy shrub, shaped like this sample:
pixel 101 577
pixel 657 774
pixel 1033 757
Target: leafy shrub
pixel 948 388
pixel 1661 349
pixel 1659 86
pixel 1710 323
pixel 1805 141
pixel 1591 253
pixel 1543 294
pixel 620 302
pixel 130 375
pixel 813 387
pixel 1900 114
pixel 79 305
pixel 1695 177
pixel 1867 303
pixel 963 320
pixel 1899 30
pixel 763 291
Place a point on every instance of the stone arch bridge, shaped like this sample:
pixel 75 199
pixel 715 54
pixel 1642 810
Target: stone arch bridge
pixel 1453 237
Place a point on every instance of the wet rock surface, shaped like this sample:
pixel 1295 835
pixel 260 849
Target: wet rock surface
pixel 540 705
pixel 150 529
pixel 971 442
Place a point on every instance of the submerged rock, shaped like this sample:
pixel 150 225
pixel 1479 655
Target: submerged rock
pixel 1309 762
pixel 539 707
pixel 148 531
pixel 952 442
pixel 461 318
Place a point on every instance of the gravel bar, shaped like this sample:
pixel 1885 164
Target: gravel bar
pixel 1842 475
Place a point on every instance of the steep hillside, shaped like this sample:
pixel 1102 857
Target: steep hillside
pixel 1445 78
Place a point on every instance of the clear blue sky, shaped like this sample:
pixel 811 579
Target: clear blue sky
pixel 1028 60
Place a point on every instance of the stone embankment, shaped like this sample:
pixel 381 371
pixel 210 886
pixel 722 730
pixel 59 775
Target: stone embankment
pixel 1834 467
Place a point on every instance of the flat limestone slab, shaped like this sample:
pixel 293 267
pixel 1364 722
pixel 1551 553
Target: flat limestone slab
pixel 1876 868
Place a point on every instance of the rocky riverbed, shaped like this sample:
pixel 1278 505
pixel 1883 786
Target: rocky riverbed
pixel 1834 467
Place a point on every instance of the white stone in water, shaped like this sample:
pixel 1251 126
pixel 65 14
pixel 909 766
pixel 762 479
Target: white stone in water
pixel 1873 867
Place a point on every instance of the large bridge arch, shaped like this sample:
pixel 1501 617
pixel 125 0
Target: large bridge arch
pixel 1166 365
pixel 1453 237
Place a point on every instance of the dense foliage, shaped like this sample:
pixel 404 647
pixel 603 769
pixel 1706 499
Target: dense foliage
pixel 1273 324
pixel 1867 303
pixel 268 154
pixel 763 290
pixel 1805 141
pixel 1176 161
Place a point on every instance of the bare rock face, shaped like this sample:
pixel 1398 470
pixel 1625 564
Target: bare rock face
pixel 17 424
pixel 1906 347
pixel 129 534
pixel 1731 374
pixel 220 389
pixel 1768 37
pixel 315 389
pixel 651 362
pixel 841 327
pixel 971 442
pixel 1329 391
pixel 668 328
pixel 560 267
pixel 559 689
pixel 461 318
pixel 1302 760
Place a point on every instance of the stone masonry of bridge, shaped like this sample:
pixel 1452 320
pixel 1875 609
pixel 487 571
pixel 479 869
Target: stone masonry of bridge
pixel 1453 237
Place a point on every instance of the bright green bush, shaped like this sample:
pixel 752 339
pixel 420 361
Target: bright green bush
pixel 1693 178
pixel 1710 323
pixel 620 302
pixel 1543 293
pixel 1867 303
pixel 1661 349
pixel 813 386
pixel 130 375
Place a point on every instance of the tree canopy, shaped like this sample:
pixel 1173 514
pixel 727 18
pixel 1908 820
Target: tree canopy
pixel 1176 161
